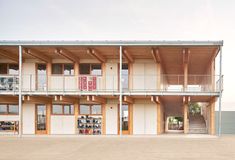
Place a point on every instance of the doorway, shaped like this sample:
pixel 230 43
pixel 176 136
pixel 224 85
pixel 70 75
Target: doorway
pixel 41 120
pixel 41 77
pixel 125 119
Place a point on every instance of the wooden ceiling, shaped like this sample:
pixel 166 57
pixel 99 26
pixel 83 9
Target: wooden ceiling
pixel 171 56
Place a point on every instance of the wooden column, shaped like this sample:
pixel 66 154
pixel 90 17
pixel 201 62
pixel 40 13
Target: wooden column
pixel 48 118
pixel 186 125
pixel 212 75
pixel 49 68
pixel 76 73
pixel 103 119
pixel 76 105
pixel 185 76
pixel 212 117
pixel 159 118
pixel 131 119
pixel 159 76
pixel 130 75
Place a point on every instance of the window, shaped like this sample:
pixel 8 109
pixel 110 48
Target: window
pixel 68 109
pixel 57 68
pixel 65 109
pixel 90 69
pixel 84 69
pixel 96 109
pixel 3 109
pixel 12 69
pixel 66 69
pixel 57 109
pixel 96 69
pixel 90 109
pixel 11 109
pixel 3 68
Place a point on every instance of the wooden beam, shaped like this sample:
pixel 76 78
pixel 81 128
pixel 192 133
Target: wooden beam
pixel 98 99
pixel 128 56
pixel 8 99
pixel 186 53
pixel 37 99
pixel 95 54
pixel 38 55
pixel 66 99
pixel 128 99
pixel 67 54
pixel 156 55
pixel 155 99
pixel 9 55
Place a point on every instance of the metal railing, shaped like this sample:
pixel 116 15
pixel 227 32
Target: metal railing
pixel 9 83
pixel 109 83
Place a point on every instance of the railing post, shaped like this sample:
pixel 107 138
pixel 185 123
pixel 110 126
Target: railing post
pixel 20 92
pixel 220 92
pixel 120 90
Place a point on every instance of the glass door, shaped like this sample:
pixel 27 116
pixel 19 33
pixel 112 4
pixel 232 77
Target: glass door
pixel 41 77
pixel 41 119
pixel 125 77
pixel 125 119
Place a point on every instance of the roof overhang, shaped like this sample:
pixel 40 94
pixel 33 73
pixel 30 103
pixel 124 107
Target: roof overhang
pixel 109 43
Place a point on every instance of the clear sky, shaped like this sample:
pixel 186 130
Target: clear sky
pixel 125 20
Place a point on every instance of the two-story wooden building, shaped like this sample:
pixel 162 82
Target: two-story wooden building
pixel 108 87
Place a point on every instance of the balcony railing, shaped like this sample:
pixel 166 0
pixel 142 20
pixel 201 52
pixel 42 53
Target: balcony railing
pixel 110 83
pixel 9 83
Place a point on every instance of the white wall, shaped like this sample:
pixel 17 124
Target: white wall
pixel 111 71
pixel 111 118
pixel 144 76
pixel 62 124
pixel 144 119
pixel 9 118
pixel 28 73
pixel 28 118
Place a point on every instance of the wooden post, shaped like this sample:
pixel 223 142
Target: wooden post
pixel 48 118
pixel 103 119
pixel 76 105
pixel 212 76
pixel 159 118
pixel 212 117
pixel 131 119
pixel 159 76
pixel 49 68
pixel 186 127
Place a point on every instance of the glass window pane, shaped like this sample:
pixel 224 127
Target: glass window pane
pixel 56 68
pixel 125 76
pixel 96 109
pixel 84 68
pixel 13 69
pixel 13 109
pixel 96 69
pixel 84 109
pixel 57 109
pixel 68 69
pixel 125 117
pixel 68 109
pixel 3 68
pixel 3 109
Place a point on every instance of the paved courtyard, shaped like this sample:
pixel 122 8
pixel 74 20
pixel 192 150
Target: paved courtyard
pixel 117 148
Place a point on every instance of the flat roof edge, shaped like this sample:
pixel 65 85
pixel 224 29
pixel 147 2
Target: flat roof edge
pixel 108 43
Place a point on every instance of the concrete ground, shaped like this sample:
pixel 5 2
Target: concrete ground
pixel 118 148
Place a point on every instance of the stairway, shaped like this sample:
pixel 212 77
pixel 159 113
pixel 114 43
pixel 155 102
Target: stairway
pixel 197 124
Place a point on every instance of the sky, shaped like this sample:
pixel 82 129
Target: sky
pixel 125 20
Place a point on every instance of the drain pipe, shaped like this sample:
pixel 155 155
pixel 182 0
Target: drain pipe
pixel 220 92
pixel 20 92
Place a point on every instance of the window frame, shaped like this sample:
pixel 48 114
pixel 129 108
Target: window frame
pixel 63 106
pixel 63 64
pixel 8 113
pixel 90 110
pixel 90 69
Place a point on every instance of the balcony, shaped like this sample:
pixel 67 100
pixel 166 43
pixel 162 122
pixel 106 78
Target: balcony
pixel 108 84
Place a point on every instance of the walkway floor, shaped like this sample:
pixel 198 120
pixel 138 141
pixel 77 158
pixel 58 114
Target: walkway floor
pixel 167 147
